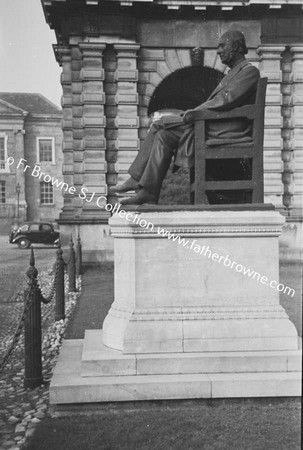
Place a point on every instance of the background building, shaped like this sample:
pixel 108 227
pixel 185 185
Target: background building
pixel 122 60
pixel 30 129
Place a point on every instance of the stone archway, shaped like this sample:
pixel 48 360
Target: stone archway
pixel 185 88
pixel 158 65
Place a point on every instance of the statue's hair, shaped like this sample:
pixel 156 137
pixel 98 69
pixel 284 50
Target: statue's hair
pixel 237 37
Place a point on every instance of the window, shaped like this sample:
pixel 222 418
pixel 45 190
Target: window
pixel 46 194
pixel 45 150
pixel 2 191
pixel 34 227
pixel 3 152
pixel 46 228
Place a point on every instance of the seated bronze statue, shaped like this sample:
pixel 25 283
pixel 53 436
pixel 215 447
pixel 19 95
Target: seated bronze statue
pixel 172 136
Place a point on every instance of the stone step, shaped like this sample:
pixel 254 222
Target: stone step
pixel 99 360
pixel 68 386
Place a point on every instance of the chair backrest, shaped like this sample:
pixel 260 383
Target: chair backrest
pixel 247 152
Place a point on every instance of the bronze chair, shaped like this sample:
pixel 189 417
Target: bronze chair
pixel 208 177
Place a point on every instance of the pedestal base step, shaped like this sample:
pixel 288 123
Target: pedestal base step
pixel 70 386
pixel 99 360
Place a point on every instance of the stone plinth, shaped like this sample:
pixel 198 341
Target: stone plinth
pixel 189 293
pixel 196 313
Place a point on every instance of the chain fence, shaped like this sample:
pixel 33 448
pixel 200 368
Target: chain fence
pixel 17 333
pixel 36 293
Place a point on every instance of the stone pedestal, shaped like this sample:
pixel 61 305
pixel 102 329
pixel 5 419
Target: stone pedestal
pixel 196 312
pixel 190 294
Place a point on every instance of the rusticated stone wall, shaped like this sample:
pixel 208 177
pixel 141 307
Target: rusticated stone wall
pixel 108 83
pixel 106 93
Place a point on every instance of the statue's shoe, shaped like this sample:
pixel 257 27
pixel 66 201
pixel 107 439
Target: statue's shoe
pixel 142 197
pixel 128 185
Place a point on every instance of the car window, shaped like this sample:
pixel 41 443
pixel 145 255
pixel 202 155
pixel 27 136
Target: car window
pixel 23 228
pixel 34 227
pixel 45 227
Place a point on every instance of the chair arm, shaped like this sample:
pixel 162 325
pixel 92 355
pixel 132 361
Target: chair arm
pixel 248 111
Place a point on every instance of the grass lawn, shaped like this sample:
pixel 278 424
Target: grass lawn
pixel 201 424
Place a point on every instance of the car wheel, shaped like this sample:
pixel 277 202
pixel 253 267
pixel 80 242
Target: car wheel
pixel 23 243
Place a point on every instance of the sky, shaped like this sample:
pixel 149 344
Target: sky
pixel 28 62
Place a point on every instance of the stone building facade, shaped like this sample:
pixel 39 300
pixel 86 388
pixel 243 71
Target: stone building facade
pixel 30 134
pixel 122 60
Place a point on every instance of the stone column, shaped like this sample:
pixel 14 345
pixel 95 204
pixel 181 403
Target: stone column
pixel 110 90
pixel 287 130
pixel 297 125
pixel 63 56
pixel 76 168
pixel 90 151
pixel 127 99
pixel 270 67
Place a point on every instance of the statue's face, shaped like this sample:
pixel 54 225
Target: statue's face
pixel 226 49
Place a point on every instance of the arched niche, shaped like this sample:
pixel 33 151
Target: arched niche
pixel 185 88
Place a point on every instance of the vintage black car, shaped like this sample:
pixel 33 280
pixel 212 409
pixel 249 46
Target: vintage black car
pixel 34 233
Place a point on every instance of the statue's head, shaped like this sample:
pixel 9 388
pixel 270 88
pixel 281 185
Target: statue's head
pixel 232 47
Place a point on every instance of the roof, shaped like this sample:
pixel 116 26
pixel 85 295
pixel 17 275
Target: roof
pixel 8 108
pixel 175 4
pixel 31 103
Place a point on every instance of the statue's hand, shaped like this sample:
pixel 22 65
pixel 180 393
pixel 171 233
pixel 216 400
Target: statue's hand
pixel 188 116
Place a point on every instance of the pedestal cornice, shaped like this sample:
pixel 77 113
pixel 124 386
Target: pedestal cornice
pixel 191 223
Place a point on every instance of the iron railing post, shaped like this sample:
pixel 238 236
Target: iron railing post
pixel 32 330
pixel 72 267
pixel 78 257
pixel 60 296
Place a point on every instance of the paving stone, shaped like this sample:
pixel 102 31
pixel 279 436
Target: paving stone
pixel 30 432
pixel 20 428
pixel 43 407
pixel 35 420
pixel 26 406
pixel 26 421
pixel 12 420
pixel 8 443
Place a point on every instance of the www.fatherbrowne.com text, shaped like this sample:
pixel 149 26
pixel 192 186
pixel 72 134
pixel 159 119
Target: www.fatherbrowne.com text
pixel 192 244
